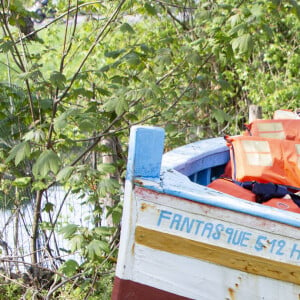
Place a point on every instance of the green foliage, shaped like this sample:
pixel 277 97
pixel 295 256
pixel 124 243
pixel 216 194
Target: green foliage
pixel 19 152
pixel 47 162
pixel 69 267
pixel 71 92
pixel 11 290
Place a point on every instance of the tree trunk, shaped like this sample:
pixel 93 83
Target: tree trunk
pixel 35 234
pixel 255 112
pixel 110 157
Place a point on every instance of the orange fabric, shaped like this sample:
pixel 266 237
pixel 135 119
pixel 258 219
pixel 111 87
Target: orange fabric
pixel 284 129
pixel 282 203
pixel 265 160
pixel 229 187
pixel 285 114
pixel 228 170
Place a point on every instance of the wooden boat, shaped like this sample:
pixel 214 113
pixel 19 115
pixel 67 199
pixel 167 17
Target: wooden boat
pixel 183 240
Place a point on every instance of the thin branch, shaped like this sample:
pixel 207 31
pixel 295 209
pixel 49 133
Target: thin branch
pixel 59 18
pixel 101 34
pixel 18 58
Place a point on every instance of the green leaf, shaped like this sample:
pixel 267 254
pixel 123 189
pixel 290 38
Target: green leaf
pixel 6 46
pixel 111 104
pixel 106 168
pixel 243 43
pixel 256 11
pixel 47 161
pixel 39 185
pixel 164 56
pixel 58 79
pixel 36 135
pixel 87 124
pixel 296 8
pixel 220 115
pixel 235 19
pixel 65 173
pixel 132 58
pixel 194 58
pixel 96 247
pixel 114 54
pixel 122 106
pixel 125 27
pixel 103 231
pixel 77 242
pixel 69 267
pixel 116 213
pixel 22 181
pixel 107 185
pixel 82 92
pixel 19 152
pixel 61 121
pixel 150 9
pixel 239 28
pixel 68 230
pixel 103 92
pixel 48 207
pixel 35 74
pixel 224 84
pixel 119 105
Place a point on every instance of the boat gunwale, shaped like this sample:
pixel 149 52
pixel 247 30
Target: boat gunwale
pixel 168 173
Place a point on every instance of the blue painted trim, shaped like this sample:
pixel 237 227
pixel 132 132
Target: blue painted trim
pixel 146 147
pixel 244 206
pixel 261 212
pixel 194 157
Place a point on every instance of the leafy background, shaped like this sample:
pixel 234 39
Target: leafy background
pixel 72 86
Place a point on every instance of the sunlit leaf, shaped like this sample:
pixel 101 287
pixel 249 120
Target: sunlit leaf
pixel 106 168
pixel 68 230
pixel 76 242
pixel 257 10
pixel 19 152
pixel 243 43
pixel 103 231
pixel 65 173
pixel 22 181
pixel 36 135
pixel 47 161
pixel 95 248
pixel 107 185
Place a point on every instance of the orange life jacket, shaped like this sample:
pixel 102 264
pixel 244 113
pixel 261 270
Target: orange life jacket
pixel 284 129
pixel 285 114
pixel 283 203
pixel 265 160
pixel 229 187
